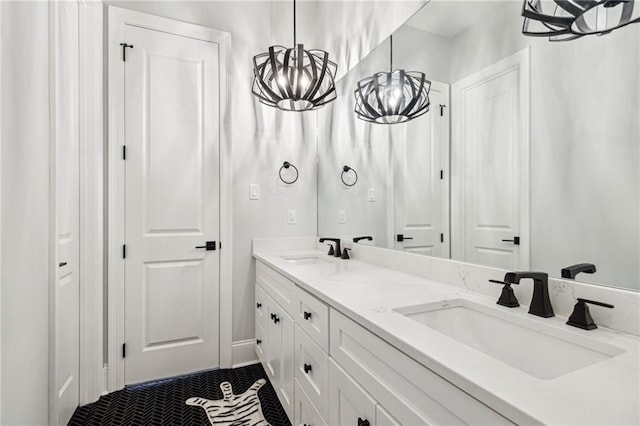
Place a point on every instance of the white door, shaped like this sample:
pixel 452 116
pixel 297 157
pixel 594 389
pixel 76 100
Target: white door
pixel 421 171
pixel 491 161
pixel 67 227
pixel 171 205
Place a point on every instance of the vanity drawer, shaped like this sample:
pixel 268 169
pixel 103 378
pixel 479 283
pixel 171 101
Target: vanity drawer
pixel 312 370
pixel 306 413
pixel 313 318
pixel 410 392
pixel 280 288
pixel 262 310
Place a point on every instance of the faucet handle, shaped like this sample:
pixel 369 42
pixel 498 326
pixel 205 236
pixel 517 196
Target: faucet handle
pixel 507 297
pixel 581 317
pixel 331 250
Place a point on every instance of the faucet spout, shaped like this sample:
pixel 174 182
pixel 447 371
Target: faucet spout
pixel 540 302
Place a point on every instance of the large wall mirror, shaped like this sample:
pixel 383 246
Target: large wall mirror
pixel 529 158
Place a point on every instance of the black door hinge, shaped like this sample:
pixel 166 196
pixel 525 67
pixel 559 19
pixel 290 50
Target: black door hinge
pixel 442 238
pixel 124 251
pixel 124 50
pixel 124 152
pixel 441 174
pixel 442 107
pixel 124 350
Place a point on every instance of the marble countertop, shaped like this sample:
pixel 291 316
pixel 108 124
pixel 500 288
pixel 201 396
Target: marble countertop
pixel 605 393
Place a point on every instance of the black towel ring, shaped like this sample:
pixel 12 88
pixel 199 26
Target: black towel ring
pixel 287 165
pixel 347 169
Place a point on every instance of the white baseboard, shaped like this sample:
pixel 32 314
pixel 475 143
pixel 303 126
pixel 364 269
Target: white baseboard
pixel 243 353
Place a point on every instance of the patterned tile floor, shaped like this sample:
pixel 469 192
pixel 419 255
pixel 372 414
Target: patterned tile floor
pixel 163 402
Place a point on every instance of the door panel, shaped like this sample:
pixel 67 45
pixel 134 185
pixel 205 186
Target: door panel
pixel 492 163
pixel 172 205
pixel 67 228
pixel 348 402
pixel 421 195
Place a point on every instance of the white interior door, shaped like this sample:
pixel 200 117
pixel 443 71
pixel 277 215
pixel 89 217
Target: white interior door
pixel 171 204
pixel 421 171
pixel 491 157
pixel 66 390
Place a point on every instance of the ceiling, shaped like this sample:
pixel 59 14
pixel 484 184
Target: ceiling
pixel 449 18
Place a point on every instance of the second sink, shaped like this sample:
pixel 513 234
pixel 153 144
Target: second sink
pixel 541 351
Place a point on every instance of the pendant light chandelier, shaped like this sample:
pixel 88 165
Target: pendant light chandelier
pixel 294 79
pixel 392 97
pixel 563 20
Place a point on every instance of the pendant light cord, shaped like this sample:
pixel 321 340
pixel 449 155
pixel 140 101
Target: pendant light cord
pixel 390 53
pixel 294 24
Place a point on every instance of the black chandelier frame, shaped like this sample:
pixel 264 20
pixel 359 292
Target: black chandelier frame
pixel 294 79
pixel 569 19
pixel 391 97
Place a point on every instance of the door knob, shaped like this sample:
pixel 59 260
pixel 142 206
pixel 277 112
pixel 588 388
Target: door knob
pixel 400 238
pixel 209 245
pixel 515 241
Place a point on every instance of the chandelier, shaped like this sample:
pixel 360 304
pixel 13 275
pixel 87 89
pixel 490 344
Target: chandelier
pixel 396 96
pixel 294 79
pixel 563 20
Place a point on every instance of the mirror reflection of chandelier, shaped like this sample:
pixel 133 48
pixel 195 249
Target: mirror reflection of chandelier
pixel 392 97
pixel 563 20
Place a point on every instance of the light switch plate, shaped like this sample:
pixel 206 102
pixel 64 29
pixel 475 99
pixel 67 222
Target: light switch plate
pixel 372 194
pixel 291 217
pixel 342 216
pixel 254 191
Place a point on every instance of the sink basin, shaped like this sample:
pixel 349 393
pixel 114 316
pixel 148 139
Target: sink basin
pixel 539 350
pixel 305 260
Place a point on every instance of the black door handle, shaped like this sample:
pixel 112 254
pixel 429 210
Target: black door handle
pixel 516 241
pixel 400 238
pixel 61 264
pixel 209 245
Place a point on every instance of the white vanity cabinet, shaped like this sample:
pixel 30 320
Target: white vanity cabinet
pixel 274 346
pixel 329 370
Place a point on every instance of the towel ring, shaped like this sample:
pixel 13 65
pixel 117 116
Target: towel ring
pixel 287 165
pixel 347 169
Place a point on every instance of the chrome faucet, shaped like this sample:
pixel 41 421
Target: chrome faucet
pixel 540 302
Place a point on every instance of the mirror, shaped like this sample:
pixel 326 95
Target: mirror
pixel 529 158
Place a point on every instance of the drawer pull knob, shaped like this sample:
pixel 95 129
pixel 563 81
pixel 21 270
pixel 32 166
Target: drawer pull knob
pixel 272 316
pixel 258 305
pixel 307 368
pixel 307 315
pixel 258 341
pixel 276 319
pixel 363 422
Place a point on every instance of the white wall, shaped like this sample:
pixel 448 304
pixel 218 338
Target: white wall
pixel 25 212
pixel 585 156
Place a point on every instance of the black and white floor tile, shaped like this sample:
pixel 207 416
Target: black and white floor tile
pixel 239 397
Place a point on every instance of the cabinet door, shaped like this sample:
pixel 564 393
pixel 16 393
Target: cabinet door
pixel 349 404
pixel 306 413
pixel 261 342
pixel 282 358
pixel 383 418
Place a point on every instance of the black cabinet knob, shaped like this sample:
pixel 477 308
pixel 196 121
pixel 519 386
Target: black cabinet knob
pixel 258 342
pixel 306 315
pixel 307 368
pixel 363 422
pixel 258 305
pixel 272 316
pixel 276 319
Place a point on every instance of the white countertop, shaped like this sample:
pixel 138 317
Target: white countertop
pixel 605 393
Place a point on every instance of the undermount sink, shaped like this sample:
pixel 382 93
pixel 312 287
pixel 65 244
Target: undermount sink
pixel 542 351
pixel 305 260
